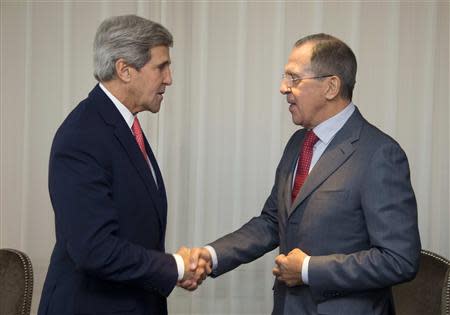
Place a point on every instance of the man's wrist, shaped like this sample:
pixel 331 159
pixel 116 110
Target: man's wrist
pixel 180 266
pixel 213 254
pixel 304 273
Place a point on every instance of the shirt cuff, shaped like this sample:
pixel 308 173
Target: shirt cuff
pixel 180 266
pixel 305 265
pixel 213 254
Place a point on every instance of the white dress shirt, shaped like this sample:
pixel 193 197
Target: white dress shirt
pixel 325 131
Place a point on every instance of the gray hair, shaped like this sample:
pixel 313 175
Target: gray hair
pixel 129 37
pixel 330 55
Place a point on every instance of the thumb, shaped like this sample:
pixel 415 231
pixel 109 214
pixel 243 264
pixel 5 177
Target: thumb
pixel 193 259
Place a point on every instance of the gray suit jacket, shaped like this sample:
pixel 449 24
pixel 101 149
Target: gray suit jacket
pixel 356 215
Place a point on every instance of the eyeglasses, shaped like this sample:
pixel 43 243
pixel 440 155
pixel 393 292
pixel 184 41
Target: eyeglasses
pixel 291 80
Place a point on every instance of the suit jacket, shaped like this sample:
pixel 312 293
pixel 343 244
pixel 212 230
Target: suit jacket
pixel 356 215
pixel 110 219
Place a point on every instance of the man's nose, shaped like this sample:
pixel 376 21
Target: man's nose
pixel 168 77
pixel 284 89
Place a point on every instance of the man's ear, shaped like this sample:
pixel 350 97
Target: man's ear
pixel 333 87
pixel 123 70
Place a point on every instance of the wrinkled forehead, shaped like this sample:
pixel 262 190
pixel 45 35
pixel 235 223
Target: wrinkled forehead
pixel 299 59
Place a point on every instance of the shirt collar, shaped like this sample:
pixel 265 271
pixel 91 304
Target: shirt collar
pixel 326 130
pixel 126 114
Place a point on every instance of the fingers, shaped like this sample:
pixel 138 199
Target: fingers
pixel 281 270
pixel 193 260
pixel 187 285
pixel 276 271
pixel 207 260
pixel 200 274
pixel 278 274
pixel 198 254
pixel 202 271
pixel 208 268
pixel 288 268
pixel 184 283
pixel 192 287
pixel 194 280
pixel 280 259
pixel 198 266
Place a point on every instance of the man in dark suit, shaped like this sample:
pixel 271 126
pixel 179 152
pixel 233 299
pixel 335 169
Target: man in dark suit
pixel 106 188
pixel 342 209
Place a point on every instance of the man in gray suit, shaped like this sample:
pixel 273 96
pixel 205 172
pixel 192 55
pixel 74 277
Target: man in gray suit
pixel 342 209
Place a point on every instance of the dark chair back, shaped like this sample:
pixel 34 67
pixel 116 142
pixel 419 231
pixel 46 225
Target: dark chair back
pixel 16 282
pixel 429 292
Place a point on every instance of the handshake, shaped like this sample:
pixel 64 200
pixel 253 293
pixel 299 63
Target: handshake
pixel 198 265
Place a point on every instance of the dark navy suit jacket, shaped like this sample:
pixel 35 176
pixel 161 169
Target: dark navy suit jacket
pixel 110 218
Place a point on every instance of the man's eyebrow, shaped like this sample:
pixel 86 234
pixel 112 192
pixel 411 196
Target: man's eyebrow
pixel 165 63
pixel 289 72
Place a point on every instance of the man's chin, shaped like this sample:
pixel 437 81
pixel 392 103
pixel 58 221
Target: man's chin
pixel 154 111
pixel 297 121
pixel 154 108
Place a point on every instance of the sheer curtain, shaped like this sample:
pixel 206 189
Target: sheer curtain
pixel 223 125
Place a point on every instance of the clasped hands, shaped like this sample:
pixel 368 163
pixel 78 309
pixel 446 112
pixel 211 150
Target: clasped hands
pixel 198 265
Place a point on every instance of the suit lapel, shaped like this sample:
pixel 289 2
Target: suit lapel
pixel 125 137
pixel 159 178
pixel 337 152
pixel 292 161
pixel 123 133
pixel 161 188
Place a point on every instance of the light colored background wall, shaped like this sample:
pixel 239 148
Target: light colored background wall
pixel 223 125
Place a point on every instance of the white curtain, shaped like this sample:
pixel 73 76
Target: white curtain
pixel 223 125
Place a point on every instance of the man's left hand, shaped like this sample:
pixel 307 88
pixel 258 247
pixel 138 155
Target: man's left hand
pixel 289 268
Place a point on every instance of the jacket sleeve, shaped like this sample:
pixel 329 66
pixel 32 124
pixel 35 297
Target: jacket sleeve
pixel 390 211
pixel 251 241
pixel 258 236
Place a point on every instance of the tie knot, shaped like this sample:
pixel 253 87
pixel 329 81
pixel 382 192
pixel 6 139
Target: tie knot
pixel 310 139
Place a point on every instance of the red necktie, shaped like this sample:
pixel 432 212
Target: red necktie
pixel 304 162
pixel 139 136
pixel 137 131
